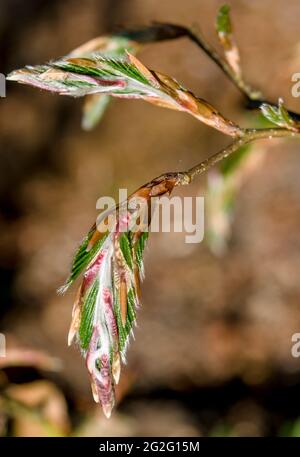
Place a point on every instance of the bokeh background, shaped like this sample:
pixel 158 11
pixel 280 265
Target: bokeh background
pixel 212 354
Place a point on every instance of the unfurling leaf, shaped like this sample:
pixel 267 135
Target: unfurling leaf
pixel 116 46
pixel 223 23
pixel 111 257
pixel 124 78
pixel 279 116
pixel 224 30
pixel 111 46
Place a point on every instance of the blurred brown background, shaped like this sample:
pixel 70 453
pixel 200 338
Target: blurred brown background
pixel 212 353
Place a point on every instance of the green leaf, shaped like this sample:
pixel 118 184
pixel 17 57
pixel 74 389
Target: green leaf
pixel 140 247
pixel 121 330
pixel 223 23
pixel 87 316
pixel 278 115
pixel 102 67
pixel 130 308
pixel 127 69
pixel 125 246
pixel 131 316
pixel 122 78
pixel 82 258
pixel 94 110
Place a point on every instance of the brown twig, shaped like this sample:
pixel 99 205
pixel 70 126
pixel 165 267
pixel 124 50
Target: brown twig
pixel 249 136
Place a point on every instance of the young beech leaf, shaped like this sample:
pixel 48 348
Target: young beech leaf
pixel 116 46
pixel 110 46
pixel 104 311
pixel 123 78
pixel 223 23
pixel 224 30
pixel 279 116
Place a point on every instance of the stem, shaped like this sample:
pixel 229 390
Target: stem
pixel 248 136
pixel 245 89
pixel 254 97
pixel 165 31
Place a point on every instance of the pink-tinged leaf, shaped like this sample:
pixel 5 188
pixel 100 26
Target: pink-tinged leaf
pixel 122 78
pixel 104 313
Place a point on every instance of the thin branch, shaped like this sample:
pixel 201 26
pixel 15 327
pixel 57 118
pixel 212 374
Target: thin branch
pixel 244 88
pixel 161 31
pixel 165 31
pixel 254 98
pixel 249 136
